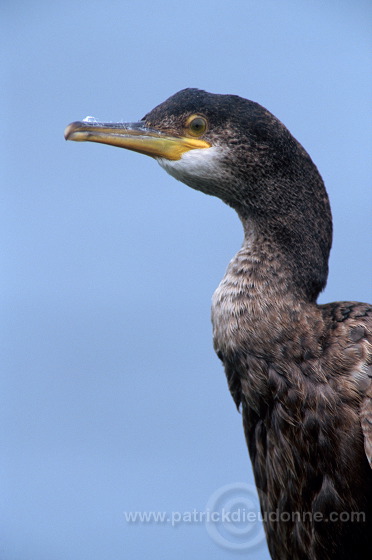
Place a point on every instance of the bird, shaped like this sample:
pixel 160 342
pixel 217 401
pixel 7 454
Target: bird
pixel 300 372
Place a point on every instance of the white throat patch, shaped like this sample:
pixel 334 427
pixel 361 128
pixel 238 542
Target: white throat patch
pixel 195 167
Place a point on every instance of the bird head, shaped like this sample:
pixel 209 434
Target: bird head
pixel 218 144
pixel 235 149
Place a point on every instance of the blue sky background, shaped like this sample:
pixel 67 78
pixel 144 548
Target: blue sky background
pixel 112 399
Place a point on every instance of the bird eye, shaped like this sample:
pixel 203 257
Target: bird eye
pixel 196 125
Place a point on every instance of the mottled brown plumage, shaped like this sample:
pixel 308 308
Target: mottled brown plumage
pixel 300 372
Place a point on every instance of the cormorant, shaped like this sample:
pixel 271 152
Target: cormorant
pixel 300 372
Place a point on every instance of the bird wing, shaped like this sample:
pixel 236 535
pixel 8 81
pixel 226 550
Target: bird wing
pixel 366 404
pixel 351 323
pixel 366 420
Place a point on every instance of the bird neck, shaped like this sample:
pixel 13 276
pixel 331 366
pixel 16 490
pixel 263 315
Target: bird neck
pixel 289 252
pixel 268 273
pixel 259 304
pixel 285 212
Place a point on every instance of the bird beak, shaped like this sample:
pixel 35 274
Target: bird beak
pixel 134 136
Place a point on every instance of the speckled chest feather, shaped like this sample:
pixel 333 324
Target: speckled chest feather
pixel 300 399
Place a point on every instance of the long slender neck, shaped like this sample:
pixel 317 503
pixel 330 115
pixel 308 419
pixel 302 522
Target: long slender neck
pixel 285 212
pixel 261 302
pixel 292 246
pixel 269 271
pixel 276 271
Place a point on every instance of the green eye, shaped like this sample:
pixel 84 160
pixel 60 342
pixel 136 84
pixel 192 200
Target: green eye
pixel 196 125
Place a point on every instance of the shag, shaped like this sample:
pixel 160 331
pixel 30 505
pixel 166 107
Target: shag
pixel 300 372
